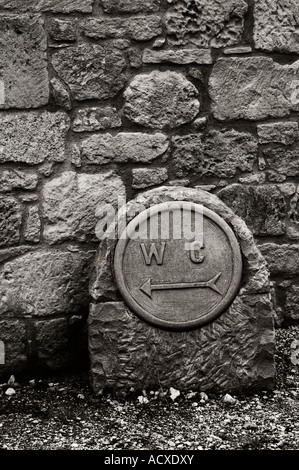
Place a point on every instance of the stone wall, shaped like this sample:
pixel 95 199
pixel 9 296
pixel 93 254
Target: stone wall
pixel 106 98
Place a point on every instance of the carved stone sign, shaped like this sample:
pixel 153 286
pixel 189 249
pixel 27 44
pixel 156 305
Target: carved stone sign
pixel 178 265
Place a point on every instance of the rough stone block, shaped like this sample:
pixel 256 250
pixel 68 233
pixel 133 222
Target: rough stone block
pixel 276 25
pixel 205 23
pixel 55 6
pixel 292 302
pixel 279 132
pixel 130 6
pixel 10 221
pixel 95 119
pixel 262 207
pixel 62 30
pixel 61 94
pixel 15 179
pixel 91 71
pixel 33 225
pixel 23 62
pixel 123 147
pixel 143 177
pixel 33 137
pixel 42 283
pixel 161 99
pixel 281 259
pixel 180 56
pixel 252 88
pixel 219 154
pixel 281 161
pixel 70 202
pixel 13 335
pixel 141 28
pixel 52 342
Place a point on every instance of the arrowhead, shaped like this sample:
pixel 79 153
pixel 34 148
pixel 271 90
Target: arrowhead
pixel 212 283
pixel 147 288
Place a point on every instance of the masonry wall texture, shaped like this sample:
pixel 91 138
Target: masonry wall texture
pixel 106 98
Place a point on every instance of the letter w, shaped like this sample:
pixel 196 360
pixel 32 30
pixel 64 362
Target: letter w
pixel 153 252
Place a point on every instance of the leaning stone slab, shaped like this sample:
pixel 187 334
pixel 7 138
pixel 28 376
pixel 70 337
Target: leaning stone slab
pixel 23 62
pixel 253 88
pixel 231 353
pixel 33 137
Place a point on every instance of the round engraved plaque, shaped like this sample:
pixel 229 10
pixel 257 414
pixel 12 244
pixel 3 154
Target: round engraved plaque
pixel 178 265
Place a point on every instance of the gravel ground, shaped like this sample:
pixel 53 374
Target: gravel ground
pixel 63 414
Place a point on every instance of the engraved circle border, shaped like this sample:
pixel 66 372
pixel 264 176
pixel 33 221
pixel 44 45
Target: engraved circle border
pixel 209 316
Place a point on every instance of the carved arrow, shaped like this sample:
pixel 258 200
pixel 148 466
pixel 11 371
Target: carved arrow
pixel 148 287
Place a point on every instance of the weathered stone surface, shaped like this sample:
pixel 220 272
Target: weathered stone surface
pixel 161 99
pixel 95 119
pixel 276 25
pixel 63 30
pixel 143 177
pixel 262 207
pixel 61 94
pixel 141 28
pixel 282 259
pixel 156 358
pixel 91 71
pixel 281 132
pixel 33 225
pixel 121 148
pixel 13 335
pixel 102 285
pixel 10 221
pixel 33 137
pixel 219 154
pixel 282 161
pixel 52 342
pixel 142 356
pixel 292 302
pixel 70 202
pixel 15 179
pixel 180 56
pixel 23 62
pixel 135 57
pixel 205 23
pixel 56 6
pixel 254 178
pixel 237 50
pixel 252 88
pixel 13 252
pixel 130 6
pixel 42 283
